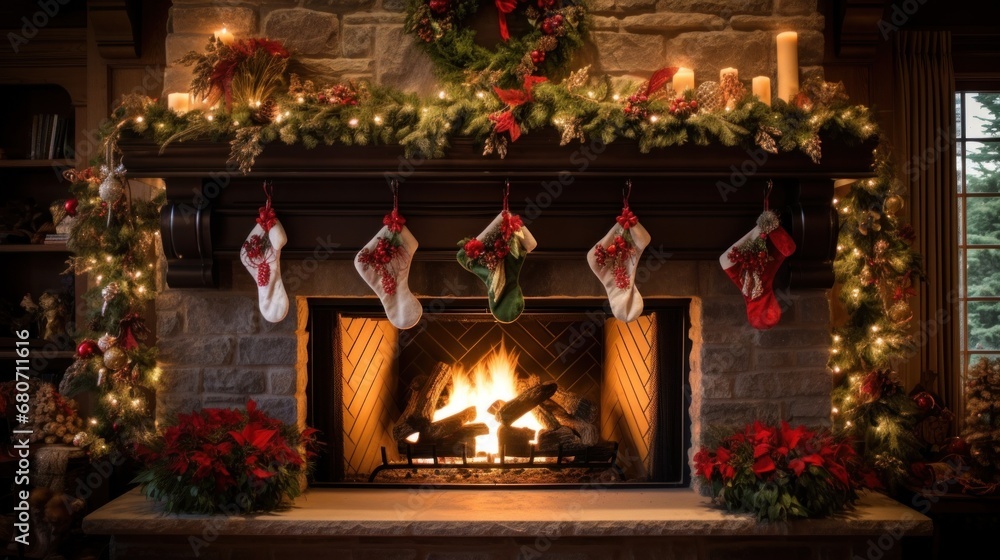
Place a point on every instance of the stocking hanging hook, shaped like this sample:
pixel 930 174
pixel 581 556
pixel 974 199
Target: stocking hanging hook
pixel 626 192
pixel 506 194
pixel 394 188
pixel 767 194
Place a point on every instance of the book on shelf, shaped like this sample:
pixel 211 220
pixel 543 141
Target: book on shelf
pixel 50 137
pixel 56 238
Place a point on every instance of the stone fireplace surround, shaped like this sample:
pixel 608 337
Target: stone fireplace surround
pixel 217 351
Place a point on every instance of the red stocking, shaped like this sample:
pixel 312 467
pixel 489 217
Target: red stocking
pixel 752 263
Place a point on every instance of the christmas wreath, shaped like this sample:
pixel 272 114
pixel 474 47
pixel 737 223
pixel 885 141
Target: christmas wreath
pixel 556 29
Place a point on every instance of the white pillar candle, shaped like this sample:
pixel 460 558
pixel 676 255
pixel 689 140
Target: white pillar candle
pixel 683 79
pixel 788 65
pixel 762 89
pixel 225 37
pixel 179 102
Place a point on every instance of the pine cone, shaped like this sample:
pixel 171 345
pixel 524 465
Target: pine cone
pixel 265 113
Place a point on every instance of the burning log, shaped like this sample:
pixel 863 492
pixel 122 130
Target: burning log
pixel 446 426
pixel 586 431
pixel 576 406
pixel 547 418
pixel 496 406
pixel 422 403
pixel 515 442
pixel 448 446
pixel 524 402
pixel 550 441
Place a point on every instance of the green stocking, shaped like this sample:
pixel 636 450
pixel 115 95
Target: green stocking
pixel 496 256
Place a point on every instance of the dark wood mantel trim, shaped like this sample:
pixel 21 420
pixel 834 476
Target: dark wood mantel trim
pixel 694 200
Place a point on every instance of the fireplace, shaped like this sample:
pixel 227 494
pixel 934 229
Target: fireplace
pixel 565 395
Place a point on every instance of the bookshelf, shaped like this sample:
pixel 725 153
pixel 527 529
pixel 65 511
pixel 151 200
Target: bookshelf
pixel 27 189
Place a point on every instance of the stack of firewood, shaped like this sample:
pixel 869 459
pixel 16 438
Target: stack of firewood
pixel 569 422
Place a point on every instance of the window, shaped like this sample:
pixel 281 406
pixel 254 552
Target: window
pixel 978 152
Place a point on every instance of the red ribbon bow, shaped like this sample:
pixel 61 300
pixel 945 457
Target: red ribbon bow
pixel 627 219
pixel 394 221
pixel 505 7
pixel 266 217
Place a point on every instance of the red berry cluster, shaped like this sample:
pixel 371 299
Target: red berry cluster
pixel 552 25
pixel 497 245
pixel 263 273
pixel 338 95
pixel 616 255
pixel 636 106
pixel 547 4
pixel 379 258
pixel 537 57
pixel 682 108
pixel 439 6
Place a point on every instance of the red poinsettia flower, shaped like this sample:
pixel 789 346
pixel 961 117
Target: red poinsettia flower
pixel 627 219
pixel 763 465
pixel 505 122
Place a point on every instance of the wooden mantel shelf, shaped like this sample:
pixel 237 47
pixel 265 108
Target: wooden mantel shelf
pixel 494 512
pixel 694 200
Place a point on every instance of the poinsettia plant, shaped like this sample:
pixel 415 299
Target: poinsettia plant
pixel 778 472
pixel 225 460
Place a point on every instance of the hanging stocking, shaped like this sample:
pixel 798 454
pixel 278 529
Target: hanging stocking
pixel 614 260
pixel 261 256
pixel 752 264
pixel 496 256
pixel 384 263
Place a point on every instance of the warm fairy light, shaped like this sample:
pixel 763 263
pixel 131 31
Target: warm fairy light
pixel 854 379
pixel 100 277
pixel 880 341
pixel 139 119
pixel 836 200
pixel 300 99
pixel 288 113
pixel 92 260
pixel 93 421
pixel 856 292
pixel 377 119
pixel 210 117
pixel 160 125
pixel 154 374
pixel 836 369
pixel 837 338
pixel 109 258
pixel 846 210
pixel 442 94
pixel 835 350
pixel 616 97
pixel 653 118
pixel 840 247
pixel 834 410
pixel 137 275
pixel 142 289
pixel 856 252
pixel 874 328
pixel 591 94
pixel 848 424
pixel 112 400
pixel 236 123
pixel 136 403
pixel 256 103
pixel 480 94
pixel 352 123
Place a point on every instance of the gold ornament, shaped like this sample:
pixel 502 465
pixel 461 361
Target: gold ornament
pixel 111 188
pixel 81 439
pixel 900 312
pixel 115 358
pixel 709 99
pixel 894 204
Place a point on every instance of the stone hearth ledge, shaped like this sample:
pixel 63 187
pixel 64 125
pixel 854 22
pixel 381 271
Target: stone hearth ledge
pixel 492 512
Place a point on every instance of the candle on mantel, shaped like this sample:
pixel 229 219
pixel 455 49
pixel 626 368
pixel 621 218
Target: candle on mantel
pixel 225 37
pixel 788 65
pixel 683 79
pixel 179 102
pixel 762 89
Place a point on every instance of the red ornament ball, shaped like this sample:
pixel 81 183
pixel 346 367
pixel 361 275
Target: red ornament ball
pixel 439 6
pixel 87 349
pixel 956 446
pixel 70 206
pixel 924 401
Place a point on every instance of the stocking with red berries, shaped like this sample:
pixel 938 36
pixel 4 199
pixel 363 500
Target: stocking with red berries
pixel 261 256
pixel 752 263
pixel 614 260
pixel 496 256
pixel 384 263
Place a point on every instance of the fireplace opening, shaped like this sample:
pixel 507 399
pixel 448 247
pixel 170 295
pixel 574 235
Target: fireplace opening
pixel 566 395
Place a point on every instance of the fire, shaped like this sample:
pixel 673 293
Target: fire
pixel 491 379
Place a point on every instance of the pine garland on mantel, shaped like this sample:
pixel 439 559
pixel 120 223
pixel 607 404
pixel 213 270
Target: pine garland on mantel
pixel 875 265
